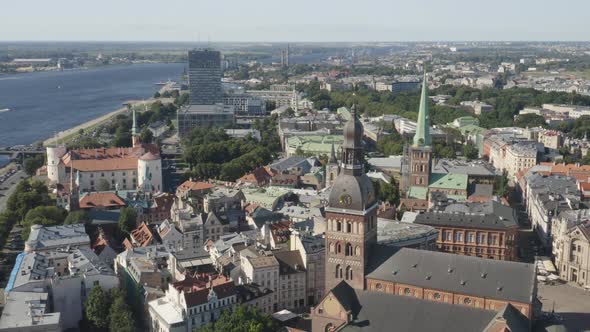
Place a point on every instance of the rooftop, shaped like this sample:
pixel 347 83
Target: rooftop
pixel 487 278
pixel 376 311
pixel 391 232
pixel 470 168
pixel 43 238
pixel 24 310
pixel 448 181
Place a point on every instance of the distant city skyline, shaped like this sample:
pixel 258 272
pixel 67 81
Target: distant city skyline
pixel 302 21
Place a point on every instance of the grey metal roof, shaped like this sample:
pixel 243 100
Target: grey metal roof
pixel 473 168
pixel 475 276
pixel 487 215
pixel 375 311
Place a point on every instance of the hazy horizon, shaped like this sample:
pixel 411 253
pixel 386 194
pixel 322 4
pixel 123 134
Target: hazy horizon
pixel 303 21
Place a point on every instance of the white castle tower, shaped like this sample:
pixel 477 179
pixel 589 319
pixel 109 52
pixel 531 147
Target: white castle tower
pixel 149 173
pixel 56 170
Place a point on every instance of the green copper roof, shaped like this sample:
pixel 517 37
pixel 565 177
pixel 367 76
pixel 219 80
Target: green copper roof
pixel 448 181
pixel 418 192
pixel 422 136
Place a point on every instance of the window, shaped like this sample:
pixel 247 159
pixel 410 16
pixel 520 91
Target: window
pixel 91 175
pixel 95 283
pixel 338 248
pixel 467 301
pixel 448 236
pixel 379 286
pixel 348 249
pixel 407 291
pixel 102 174
pixel 436 296
pixel 339 226
pixel 349 227
pixel 338 272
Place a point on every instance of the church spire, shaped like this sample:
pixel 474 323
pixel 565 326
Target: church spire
pixel 422 136
pixel 134 127
pixel 134 134
pixel 332 159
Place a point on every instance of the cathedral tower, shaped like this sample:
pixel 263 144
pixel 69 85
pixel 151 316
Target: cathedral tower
pixel 351 214
pixel 421 149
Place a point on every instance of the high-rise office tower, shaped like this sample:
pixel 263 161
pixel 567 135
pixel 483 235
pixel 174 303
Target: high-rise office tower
pixel 206 107
pixel 205 77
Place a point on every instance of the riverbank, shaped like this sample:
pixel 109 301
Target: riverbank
pixel 68 135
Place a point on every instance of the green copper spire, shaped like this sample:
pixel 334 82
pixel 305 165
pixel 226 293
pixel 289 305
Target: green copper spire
pixel 134 127
pixel 422 136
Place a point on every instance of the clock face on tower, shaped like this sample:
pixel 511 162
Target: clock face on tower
pixel 345 199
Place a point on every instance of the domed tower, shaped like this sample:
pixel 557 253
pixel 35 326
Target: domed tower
pixel 56 170
pixel 149 172
pixel 351 214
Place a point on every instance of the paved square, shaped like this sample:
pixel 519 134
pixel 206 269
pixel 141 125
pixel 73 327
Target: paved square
pixel 570 302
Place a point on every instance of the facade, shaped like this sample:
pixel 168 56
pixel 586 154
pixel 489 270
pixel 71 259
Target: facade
pixel 292 280
pixel 191 303
pixel 245 104
pixel 204 116
pixel 487 229
pixel 571 246
pixel 204 74
pixel 312 249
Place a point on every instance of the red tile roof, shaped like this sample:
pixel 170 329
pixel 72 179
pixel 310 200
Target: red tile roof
pixel 104 199
pixel 142 236
pixel 191 185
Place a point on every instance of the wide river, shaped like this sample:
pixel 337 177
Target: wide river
pixel 44 103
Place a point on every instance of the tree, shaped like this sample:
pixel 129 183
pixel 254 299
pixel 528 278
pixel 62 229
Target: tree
pixel 127 219
pixel 529 120
pixel 146 136
pixel 120 317
pixel 470 151
pixel 77 217
pixel 103 185
pixel 97 307
pixel 387 192
pixel 241 319
pixel 43 215
pixel 31 164
pixel 501 185
pixel 28 195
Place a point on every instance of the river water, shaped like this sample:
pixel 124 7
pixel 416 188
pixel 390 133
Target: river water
pixel 44 103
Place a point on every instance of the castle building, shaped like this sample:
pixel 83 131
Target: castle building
pixel 126 168
pixel 351 214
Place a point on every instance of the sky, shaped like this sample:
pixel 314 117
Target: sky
pixel 294 21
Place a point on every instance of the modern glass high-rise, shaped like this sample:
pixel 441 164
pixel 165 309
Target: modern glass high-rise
pixel 205 77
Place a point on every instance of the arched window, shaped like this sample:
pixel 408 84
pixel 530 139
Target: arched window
pixel 338 248
pixel 348 249
pixel 329 328
pixel 348 227
pixel 339 226
pixel 348 273
pixel 338 271
pixel 332 247
pixel 357 251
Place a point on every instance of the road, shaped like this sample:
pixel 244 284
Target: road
pixel 8 187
